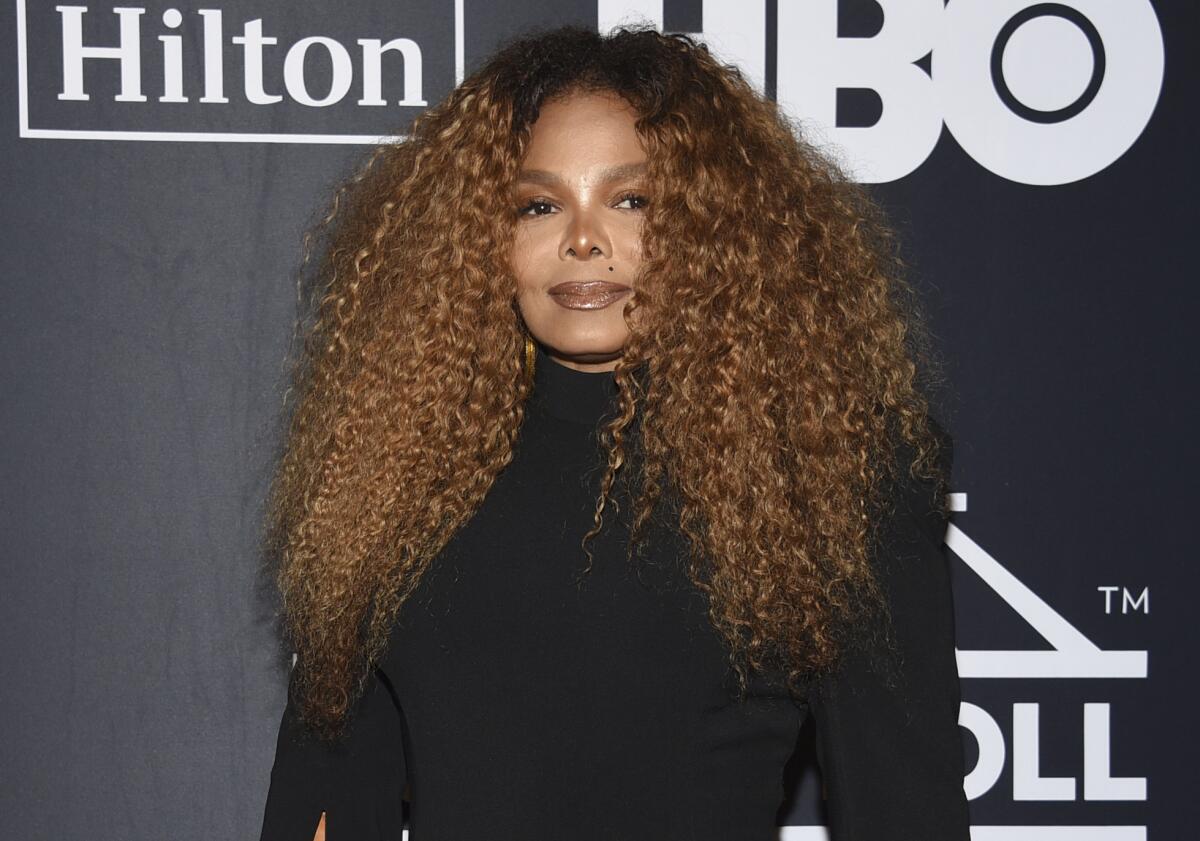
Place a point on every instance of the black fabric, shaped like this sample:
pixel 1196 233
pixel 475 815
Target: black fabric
pixel 533 703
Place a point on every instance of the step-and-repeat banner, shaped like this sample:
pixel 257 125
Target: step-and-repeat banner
pixel 162 159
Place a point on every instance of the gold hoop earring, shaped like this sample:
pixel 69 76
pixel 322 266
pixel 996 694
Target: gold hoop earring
pixel 530 354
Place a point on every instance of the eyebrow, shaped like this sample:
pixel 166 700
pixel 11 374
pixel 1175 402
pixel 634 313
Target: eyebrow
pixel 612 173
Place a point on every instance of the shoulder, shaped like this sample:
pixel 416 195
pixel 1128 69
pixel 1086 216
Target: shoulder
pixel 909 563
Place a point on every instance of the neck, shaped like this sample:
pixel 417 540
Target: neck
pixel 601 365
pixel 583 397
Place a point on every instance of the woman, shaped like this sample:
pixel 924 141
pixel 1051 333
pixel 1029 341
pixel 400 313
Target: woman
pixel 608 466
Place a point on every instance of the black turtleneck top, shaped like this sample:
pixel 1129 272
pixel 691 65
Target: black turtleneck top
pixel 521 699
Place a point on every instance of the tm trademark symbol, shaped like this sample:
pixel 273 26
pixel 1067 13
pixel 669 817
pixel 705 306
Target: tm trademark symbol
pixel 1129 602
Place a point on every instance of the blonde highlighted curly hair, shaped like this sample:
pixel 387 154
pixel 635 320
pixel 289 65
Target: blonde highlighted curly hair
pixel 781 345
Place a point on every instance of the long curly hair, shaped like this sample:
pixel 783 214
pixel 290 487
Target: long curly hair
pixel 782 349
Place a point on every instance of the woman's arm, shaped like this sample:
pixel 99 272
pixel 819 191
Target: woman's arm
pixel 356 784
pixel 891 753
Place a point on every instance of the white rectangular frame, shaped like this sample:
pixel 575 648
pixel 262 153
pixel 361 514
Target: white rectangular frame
pixel 25 130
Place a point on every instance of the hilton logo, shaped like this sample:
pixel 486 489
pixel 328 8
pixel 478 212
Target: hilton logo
pixel 206 77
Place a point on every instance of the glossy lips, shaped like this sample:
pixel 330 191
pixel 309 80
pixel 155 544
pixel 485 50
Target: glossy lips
pixel 588 294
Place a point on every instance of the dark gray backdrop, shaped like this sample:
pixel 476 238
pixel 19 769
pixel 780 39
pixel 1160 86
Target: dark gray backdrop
pixel 148 299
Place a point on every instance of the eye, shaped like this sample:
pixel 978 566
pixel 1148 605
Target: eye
pixel 540 207
pixel 636 200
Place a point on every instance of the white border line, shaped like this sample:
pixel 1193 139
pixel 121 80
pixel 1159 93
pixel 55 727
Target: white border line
pixel 210 136
pixel 1002 833
pixel 1058 833
pixel 201 136
pixel 460 50
pixel 987 833
pixel 22 79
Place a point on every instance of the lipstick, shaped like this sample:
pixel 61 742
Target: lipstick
pixel 588 294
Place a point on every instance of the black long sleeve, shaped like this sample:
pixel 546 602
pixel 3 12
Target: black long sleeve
pixel 527 701
pixel 358 783
pixel 891 754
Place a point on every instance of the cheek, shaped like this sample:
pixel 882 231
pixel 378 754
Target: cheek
pixel 519 260
pixel 630 241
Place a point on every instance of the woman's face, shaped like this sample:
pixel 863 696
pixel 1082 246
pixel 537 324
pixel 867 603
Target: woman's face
pixel 577 250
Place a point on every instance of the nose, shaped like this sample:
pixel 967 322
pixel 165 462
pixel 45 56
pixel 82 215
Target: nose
pixel 585 235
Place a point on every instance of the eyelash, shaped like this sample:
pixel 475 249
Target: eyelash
pixel 524 211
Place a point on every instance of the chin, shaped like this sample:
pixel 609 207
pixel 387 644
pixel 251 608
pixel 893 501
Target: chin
pixel 587 350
